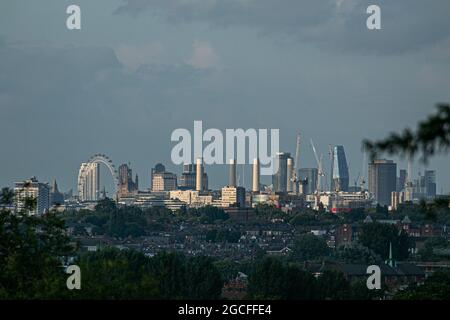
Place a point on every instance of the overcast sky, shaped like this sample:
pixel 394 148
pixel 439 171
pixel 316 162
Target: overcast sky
pixel 138 69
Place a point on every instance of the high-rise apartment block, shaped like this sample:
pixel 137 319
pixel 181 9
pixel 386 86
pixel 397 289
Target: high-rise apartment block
pixel 382 180
pixel 280 178
pixel 30 191
pixel 89 182
pixel 233 196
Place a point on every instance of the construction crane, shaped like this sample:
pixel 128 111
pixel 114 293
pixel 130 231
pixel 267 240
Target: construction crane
pixel 294 180
pixel 331 154
pixel 362 184
pixel 319 171
pixel 297 154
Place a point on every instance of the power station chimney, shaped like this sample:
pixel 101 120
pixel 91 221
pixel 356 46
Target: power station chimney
pixel 199 175
pixel 255 186
pixel 232 176
pixel 290 174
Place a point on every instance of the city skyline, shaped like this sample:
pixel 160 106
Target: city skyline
pixel 243 176
pixel 126 80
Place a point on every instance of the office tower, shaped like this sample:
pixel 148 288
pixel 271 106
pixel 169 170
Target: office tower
pixel 279 179
pixel 309 176
pixel 233 196
pixel 89 182
pixel 232 173
pixel 189 176
pixel 290 174
pixel 32 189
pixel 382 180
pixel 159 167
pixel 401 182
pixel 255 184
pixel 430 184
pixel 340 175
pixel 199 175
pixel 126 184
pixel 56 197
pixel 163 180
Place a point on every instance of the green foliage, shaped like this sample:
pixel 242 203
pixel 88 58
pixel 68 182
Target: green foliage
pixel 6 196
pixel 431 136
pixel 436 287
pixel 332 285
pixel 273 280
pixel 377 237
pixel 427 252
pixel 31 253
pixel 209 214
pixel 181 278
pixel 115 274
pixel 310 247
pixel 269 212
pixel 203 280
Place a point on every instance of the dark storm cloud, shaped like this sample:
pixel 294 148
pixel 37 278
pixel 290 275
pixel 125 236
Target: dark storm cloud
pixel 407 25
pixel 62 104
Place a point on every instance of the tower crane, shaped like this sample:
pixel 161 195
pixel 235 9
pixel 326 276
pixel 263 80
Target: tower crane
pixel 294 178
pixel 319 171
pixel 331 154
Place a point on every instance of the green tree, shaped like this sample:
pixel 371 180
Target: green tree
pixel 32 251
pixel 271 279
pixel 377 237
pixel 203 279
pixel 436 287
pixel 431 136
pixel 310 247
pixel 332 285
pixel 114 274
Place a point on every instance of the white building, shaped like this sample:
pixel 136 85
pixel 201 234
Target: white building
pixel 192 198
pixel 233 196
pixel 164 181
pixel 32 190
pixel 89 182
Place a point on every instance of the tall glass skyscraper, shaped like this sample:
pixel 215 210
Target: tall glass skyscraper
pixel 382 180
pixel 280 178
pixel 339 176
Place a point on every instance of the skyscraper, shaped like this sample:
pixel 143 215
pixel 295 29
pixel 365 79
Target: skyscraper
pixel 89 182
pixel 340 175
pixel 126 184
pixel 309 176
pixel 382 180
pixel 32 189
pixel 163 180
pixel 280 178
pixel 233 196
pixel 401 182
pixel 188 177
pixel 430 184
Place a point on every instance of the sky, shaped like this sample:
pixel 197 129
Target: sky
pixel 139 69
